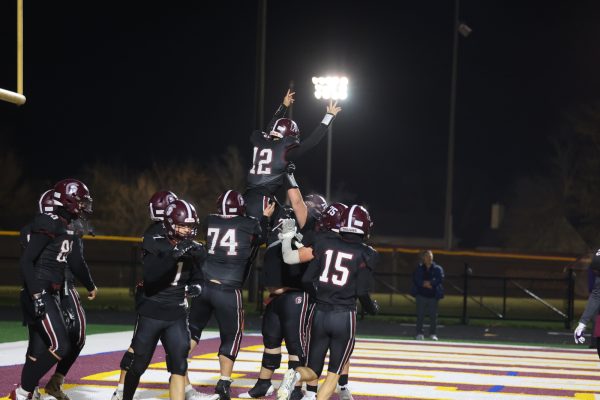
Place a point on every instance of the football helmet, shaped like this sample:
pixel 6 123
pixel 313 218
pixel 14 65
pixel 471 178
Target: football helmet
pixel 285 127
pixel 159 202
pixel 331 218
pixel 356 219
pixel 74 196
pixel 46 202
pixel 231 203
pixel 316 201
pixel 181 220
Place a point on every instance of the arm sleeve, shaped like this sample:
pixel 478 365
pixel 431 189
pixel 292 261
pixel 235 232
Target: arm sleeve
pixel 315 137
pixel 79 266
pixel 418 277
pixel 197 275
pixel 279 113
pixel 36 245
pixel 593 304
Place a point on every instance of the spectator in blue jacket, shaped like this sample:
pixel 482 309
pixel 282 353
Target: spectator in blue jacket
pixel 428 290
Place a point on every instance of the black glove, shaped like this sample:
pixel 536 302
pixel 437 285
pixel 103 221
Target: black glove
pixel 184 246
pixel 369 305
pixel 39 306
pixel 193 290
pixel 291 167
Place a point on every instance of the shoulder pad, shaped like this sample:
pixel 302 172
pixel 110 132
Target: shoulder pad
pixel 291 141
pixel 48 224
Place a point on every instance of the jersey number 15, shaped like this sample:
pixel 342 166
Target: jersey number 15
pixel 339 276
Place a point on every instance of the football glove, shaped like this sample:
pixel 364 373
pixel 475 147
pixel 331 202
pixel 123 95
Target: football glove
pixel 578 333
pixel 39 306
pixel 193 290
pixel 185 246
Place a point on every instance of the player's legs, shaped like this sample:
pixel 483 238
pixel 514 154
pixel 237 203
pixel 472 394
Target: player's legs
pixel 229 311
pixel 341 326
pixel 76 325
pixel 201 310
pixel 177 346
pixel 144 343
pixel 53 332
pixel 271 359
pixel 293 314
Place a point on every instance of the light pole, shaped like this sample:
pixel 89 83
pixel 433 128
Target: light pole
pixel 465 31
pixel 330 88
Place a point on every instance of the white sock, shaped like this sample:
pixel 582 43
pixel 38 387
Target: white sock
pixel 22 391
pixel 226 378
pixel 189 387
pixel 120 387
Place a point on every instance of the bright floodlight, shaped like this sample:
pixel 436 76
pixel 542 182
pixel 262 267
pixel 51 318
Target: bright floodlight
pixel 330 87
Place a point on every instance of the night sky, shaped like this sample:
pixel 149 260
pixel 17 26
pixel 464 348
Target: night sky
pixel 137 83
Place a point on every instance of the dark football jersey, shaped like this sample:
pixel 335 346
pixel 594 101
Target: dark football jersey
pixel 74 259
pixel 341 269
pixel 229 242
pixel 51 263
pixel 165 277
pixel 269 162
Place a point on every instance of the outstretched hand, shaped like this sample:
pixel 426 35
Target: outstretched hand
pixel 333 108
pixel 288 100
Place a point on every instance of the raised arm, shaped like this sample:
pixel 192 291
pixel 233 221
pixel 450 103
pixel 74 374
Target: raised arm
pixel 281 111
pixel 316 136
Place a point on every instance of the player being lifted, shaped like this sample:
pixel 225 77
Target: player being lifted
pixel 171 267
pixel 339 273
pixel 50 245
pixel 274 149
pixel 232 238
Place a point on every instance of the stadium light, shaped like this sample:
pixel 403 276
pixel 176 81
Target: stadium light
pixel 330 88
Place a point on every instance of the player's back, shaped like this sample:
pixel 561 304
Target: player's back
pixel 230 241
pixel 269 163
pixel 339 269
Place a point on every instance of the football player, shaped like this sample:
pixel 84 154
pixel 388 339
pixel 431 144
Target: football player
pixel 156 206
pixel 171 269
pixel 274 149
pixel 231 238
pixel 338 274
pixel 49 246
pixel 287 305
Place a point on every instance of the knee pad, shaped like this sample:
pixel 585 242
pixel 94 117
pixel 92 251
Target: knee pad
pixel 230 356
pixel 227 344
pixel 195 332
pixel 271 361
pixel 139 364
pixel 271 342
pixel 127 361
pixel 293 364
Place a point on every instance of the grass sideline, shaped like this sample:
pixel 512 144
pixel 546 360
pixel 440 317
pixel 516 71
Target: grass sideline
pixel 395 307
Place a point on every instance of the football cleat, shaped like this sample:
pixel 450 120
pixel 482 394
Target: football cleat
pixel 287 384
pixel 223 390
pixel 259 390
pixel 344 393
pixel 54 387
pixel 195 395
pixel 20 394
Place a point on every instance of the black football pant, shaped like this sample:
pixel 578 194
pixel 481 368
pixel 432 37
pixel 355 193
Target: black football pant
pixel 47 335
pixel 226 303
pixel 176 342
pixel 285 318
pixel 334 330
